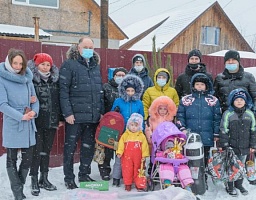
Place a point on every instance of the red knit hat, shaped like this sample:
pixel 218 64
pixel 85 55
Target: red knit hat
pixel 42 57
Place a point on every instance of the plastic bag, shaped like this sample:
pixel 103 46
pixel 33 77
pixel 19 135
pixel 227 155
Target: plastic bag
pixel 250 168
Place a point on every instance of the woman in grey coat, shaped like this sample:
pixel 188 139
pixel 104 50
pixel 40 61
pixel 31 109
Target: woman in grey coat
pixel 17 90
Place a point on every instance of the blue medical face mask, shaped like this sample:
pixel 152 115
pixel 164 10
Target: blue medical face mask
pixel 161 82
pixel 87 53
pixel 118 80
pixel 139 68
pixel 231 67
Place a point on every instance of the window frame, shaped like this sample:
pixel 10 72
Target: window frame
pixel 204 35
pixel 26 3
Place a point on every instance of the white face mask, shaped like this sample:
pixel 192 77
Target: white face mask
pixel 161 82
pixel 139 68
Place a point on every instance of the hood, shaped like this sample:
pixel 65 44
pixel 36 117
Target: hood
pixel 134 80
pixel 249 102
pixel 167 85
pixel 36 76
pixel 209 85
pixel 163 100
pixel 143 59
pixel 74 54
pixel 18 78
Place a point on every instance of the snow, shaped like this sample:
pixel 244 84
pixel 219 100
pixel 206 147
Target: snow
pixel 56 177
pixel 243 54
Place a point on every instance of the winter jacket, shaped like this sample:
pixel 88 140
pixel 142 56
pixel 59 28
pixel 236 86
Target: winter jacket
pixel 143 74
pixel 81 91
pixel 16 91
pixel 48 94
pixel 155 119
pixel 183 82
pixel 128 105
pixel 110 94
pixel 156 91
pixel 226 82
pixel 200 112
pixel 238 127
pixel 129 137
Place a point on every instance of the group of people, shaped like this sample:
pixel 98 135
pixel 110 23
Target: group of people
pixel 37 98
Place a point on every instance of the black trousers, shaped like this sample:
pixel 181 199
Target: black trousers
pixel 26 157
pixel 74 132
pixel 41 151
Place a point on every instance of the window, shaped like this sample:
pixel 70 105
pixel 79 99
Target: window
pixel 38 3
pixel 210 35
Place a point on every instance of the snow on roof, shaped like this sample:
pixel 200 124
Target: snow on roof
pixel 243 54
pixel 21 30
pixel 177 21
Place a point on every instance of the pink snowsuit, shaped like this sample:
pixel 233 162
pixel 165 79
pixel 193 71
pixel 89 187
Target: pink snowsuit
pixel 167 171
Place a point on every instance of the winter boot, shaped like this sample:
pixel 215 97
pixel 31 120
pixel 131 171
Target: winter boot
pixel 104 172
pixel 252 182
pixel 35 190
pixel 70 185
pixel 23 175
pixel 239 186
pixel 15 182
pixel 230 189
pixel 45 183
pixel 128 188
pixel 116 182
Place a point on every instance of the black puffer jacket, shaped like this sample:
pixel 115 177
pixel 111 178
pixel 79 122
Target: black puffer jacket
pixel 183 82
pixel 110 90
pixel 226 82
pixel 48 96
pixel 81 91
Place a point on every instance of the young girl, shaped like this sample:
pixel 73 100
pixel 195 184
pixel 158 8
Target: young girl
pixel 132 148
pixel 130 91
pixel 46 82
pixel 237 130
pixel 162 109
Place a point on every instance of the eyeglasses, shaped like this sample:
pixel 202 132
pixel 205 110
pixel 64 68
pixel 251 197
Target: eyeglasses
pixel 120 75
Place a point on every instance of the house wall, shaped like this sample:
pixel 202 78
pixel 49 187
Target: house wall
pixel 230 38
pixel 70 17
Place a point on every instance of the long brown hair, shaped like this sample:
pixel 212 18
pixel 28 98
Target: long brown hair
pixel 12 53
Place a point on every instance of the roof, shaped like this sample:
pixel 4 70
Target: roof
pixel 243 54
pixel 12 30
pixel 177 21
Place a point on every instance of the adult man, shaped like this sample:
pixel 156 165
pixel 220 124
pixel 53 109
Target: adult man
pixel 233 77
pixel 81 99
pixel 139 69
pixel 194 66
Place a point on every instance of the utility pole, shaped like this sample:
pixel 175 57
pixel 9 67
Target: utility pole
pixel 104 24
pixel 36 25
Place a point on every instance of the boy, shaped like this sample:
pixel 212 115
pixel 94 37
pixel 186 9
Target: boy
pixel 200 112
pixel 130 91
pixel 237 130
pixel 132 149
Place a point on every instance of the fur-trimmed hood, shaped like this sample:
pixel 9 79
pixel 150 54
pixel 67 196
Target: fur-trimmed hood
pixel 74 54
pixel 36 76
pixel 163 100
pixel 130 79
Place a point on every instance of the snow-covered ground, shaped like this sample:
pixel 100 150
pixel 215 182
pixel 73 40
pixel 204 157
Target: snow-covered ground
pixel 56 177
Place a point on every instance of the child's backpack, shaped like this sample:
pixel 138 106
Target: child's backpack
pixel 109 130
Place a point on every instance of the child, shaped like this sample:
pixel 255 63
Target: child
pixel 130 91
pixel 172 148
pixel 237 130
pixel 132 148
pixel 200 112
pixel 162 109
pixel 46 83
